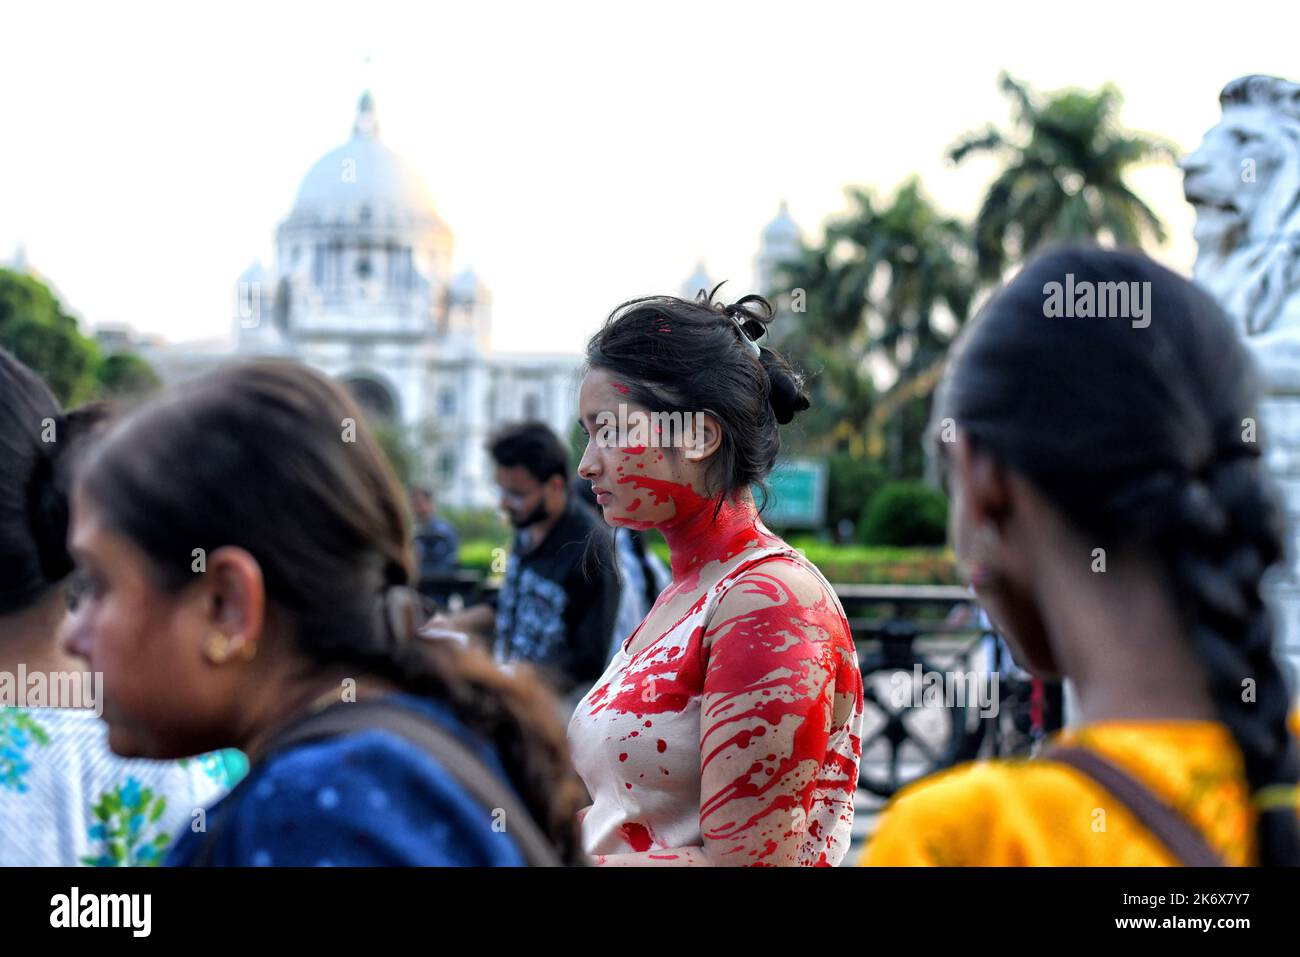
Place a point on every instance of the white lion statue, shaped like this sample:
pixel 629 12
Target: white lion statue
pixel 1244 183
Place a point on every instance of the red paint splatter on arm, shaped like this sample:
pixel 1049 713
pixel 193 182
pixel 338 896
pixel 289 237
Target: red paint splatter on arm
pixel 775 681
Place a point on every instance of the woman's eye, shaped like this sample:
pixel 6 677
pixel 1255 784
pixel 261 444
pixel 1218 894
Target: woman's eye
pixel 78 586
pixel 81 586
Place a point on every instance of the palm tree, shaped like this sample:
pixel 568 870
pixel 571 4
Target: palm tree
pixel 887 289
pixel 1063 178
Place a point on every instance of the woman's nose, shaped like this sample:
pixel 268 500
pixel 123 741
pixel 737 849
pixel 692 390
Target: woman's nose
pixel 589 466
pixel 74 636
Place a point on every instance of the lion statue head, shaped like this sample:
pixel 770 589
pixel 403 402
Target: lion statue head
pixel 1244 183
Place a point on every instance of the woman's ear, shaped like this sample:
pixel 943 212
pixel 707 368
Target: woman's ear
pixel 981 482
pixel 702 439
pixel 235 605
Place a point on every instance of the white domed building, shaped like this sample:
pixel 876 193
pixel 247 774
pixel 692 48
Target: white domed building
pixel 364 287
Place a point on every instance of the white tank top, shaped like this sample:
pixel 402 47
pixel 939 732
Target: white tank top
pixel 636 740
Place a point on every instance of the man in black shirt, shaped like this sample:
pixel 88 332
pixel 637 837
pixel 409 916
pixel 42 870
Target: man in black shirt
pixel 560 596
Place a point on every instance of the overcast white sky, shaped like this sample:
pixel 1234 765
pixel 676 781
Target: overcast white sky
pixel 581 153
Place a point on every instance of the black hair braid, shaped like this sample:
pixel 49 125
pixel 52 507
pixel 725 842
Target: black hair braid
pixel 1216 535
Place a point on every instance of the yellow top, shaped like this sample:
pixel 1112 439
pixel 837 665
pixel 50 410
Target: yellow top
pixel 1040 813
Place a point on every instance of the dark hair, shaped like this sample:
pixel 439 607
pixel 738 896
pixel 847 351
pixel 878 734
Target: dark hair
pixel 675 355
pixel 273 457
pixel 1138 436
pixel 532 445
pixel 38 443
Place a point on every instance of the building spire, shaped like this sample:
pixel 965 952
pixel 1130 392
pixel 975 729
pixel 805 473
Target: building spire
pixel 367 123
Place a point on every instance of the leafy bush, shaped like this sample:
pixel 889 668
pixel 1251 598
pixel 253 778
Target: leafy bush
pixel 851 481
pixel 903 514
pixel 866 564
pixel 487 524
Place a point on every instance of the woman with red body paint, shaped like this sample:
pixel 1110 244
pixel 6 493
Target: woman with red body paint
pixel 726 729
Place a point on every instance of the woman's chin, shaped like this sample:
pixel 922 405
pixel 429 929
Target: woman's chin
pixel 617 519
pixel 127 745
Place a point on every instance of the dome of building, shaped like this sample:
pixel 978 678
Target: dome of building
pixel 782 230
pixel 363 180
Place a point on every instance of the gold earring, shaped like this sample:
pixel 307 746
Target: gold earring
pixel 219 649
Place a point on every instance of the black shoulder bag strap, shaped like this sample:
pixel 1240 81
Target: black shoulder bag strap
pixel 1174 831
pixel 482 784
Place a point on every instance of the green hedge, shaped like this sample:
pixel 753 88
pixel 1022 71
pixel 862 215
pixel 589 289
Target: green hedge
pixel 905 514
pixel 841 564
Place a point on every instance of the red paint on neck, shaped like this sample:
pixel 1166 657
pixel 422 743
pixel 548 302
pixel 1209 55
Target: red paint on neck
pixel 695 537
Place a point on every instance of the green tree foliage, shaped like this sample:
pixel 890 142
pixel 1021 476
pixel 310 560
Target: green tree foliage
pixel 887 289
pixel 851 481
pixel 905 514
pixel 45 338
pixel 125 374
pixel 1063 166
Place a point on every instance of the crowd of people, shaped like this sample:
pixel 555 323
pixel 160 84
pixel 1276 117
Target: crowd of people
pixel 238 566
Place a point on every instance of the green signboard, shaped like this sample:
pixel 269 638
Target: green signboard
pixel 796 494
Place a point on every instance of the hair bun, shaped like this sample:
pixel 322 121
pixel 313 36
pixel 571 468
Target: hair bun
pixel 787 394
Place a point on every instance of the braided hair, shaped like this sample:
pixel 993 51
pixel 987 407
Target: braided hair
pixel 1141 430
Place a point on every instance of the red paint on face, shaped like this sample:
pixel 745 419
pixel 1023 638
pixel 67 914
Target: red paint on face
pixel 634 505
pixel 621 388
pixel 635 450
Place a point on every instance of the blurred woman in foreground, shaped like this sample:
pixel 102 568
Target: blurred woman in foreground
pixel 1109 509
pixel 247 547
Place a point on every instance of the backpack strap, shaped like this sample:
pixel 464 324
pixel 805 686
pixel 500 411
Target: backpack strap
pixel 482 784
pixel 1173 830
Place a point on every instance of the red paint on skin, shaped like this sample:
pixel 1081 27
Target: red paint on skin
pixel 623 756
pixel 676 678
pixel 759 653
pixel 662 745
pixel 621 388
pixel 694 538
pixel 663 857
pixel 634 450
pixel 634 505
pixel 771 649
pixel 637 836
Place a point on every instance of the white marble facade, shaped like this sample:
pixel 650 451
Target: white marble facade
pixel 363 287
